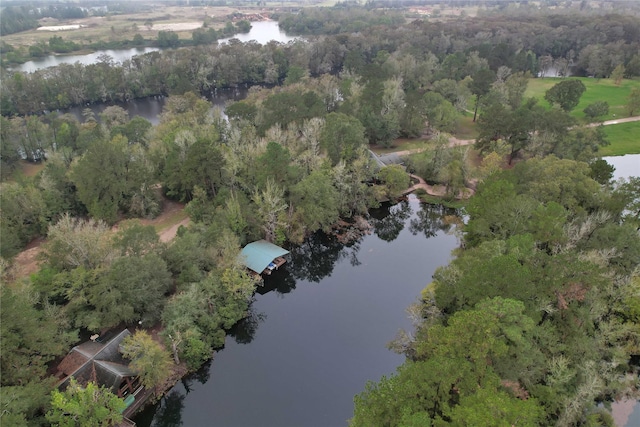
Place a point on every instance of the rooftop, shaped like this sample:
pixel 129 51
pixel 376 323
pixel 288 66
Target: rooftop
pixel 258 255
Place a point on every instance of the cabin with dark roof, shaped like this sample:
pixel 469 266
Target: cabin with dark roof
pixel 262 257
pixel 103 364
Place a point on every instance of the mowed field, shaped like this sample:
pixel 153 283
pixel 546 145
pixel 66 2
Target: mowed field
pixel 597 90
pixel 624 138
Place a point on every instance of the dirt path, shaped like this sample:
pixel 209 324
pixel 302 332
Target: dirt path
pixel 616 121
pixel 455 142
pixel 435 190
pixel 168 234
pixel 27 262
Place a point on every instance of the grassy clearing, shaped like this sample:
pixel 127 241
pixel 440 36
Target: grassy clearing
pixel 25 169
pixel 597 90
pixel 624 138
pixel 466 128
pixel 170 220
pixel 30 169
pixel 401 144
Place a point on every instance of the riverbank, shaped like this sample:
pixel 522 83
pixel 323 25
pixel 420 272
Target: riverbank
pixel 317 331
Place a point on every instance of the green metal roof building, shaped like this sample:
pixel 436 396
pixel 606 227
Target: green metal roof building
pixel 257 256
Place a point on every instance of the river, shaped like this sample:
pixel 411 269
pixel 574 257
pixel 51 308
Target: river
pixel 262 32
pixel 151 107
pixel 318 330
pixel 626 412
pixel 626 166
pixel 118 55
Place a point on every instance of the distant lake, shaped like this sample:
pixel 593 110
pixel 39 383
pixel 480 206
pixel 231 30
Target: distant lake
pixel 262 32
pixel 151 107
pixel 118 55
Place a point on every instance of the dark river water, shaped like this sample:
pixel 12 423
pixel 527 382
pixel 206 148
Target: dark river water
pixel 151 107
pixel 626 412
pixel 318 330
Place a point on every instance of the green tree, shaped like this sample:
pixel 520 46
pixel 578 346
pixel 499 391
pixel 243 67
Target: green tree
pixel 74 243
pixel 88 406
pixel 341 137
pixel 24 402
pixel 23 217
pixel 496 408
pixel 193 163
pixel 107 177
pixel 316 200
pixel 618 74
pixel 241 110
pixel 9 155
pixel 633 101
pixel 566 94
pixel 395 179
pixel 114 115
pixel 148 358
pixel 440 113
pixel 168 39
pixel 137 40
pixel 243 26
pixel 29 338
pixel 601 171
pixel 132 289
pixel 481 85
pixel 275 164
pixel 295 74
pixel 270 203
pixel 597 109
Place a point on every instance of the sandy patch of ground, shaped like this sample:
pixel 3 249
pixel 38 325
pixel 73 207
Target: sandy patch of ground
pixel 177 26
pixel 60 27
pixel 27 262
pixel 168 234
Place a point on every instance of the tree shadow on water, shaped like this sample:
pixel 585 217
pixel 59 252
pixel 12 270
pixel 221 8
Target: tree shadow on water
pixel 244 331
pixel 431 219
pixel 316 258
pixel 389 220
pixel 169 410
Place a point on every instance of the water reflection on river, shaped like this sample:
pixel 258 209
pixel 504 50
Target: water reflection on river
pixel 261 32
pixel 318 330
pixel 118 55
pixel 150 108
pixel 626 413
pixel 626 166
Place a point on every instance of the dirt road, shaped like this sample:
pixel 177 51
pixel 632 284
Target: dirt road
pixel 27 262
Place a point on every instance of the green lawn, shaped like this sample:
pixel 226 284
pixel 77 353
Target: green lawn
pixel 466 127
pixel 625 139
pixel 597 90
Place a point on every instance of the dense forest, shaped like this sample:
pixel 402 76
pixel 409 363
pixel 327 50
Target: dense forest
pixel 535 320
pixel 533 323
